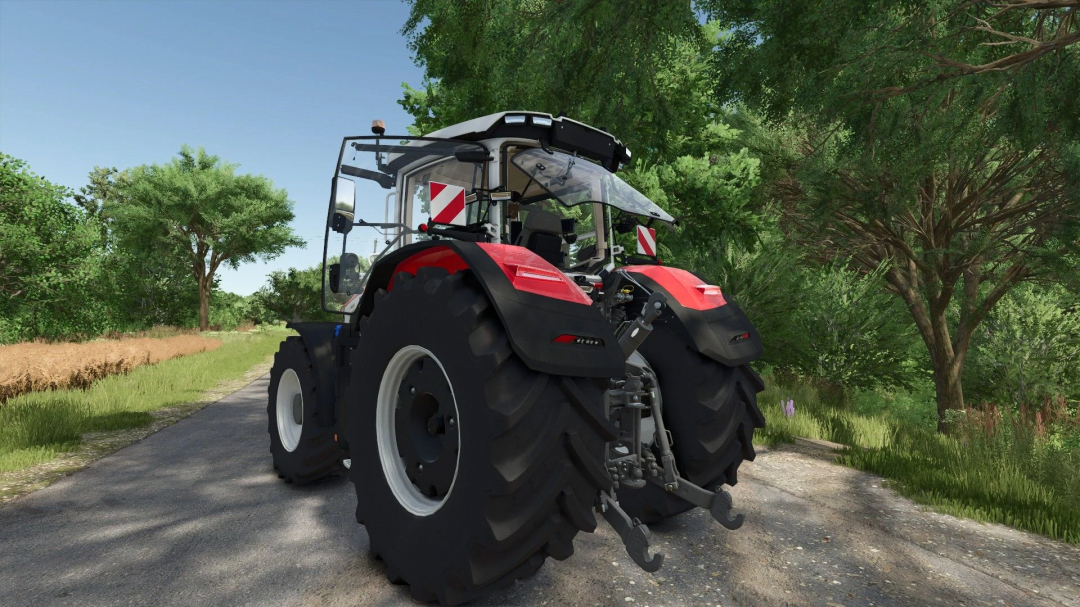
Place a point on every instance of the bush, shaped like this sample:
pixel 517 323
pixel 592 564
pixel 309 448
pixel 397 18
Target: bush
pixel 50 259
pixel 294 295
pixel 1027 350
pixel 828 323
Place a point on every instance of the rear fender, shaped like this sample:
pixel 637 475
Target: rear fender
pixel 717 327
pixel 537 304
pixel 319 340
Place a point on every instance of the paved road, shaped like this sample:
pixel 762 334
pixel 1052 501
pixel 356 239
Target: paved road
pixel 195 515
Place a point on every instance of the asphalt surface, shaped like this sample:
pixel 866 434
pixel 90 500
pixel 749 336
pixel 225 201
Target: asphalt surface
pixel 195 515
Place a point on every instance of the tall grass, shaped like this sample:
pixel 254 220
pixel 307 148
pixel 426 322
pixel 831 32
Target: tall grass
pixel 815 418
pixel 1018 468
pixel 1018 482
pixel 37 427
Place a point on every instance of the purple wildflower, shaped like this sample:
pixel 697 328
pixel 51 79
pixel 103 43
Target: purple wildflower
pixel 789 408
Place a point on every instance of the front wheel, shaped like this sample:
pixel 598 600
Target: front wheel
pixel 470 468
pixel 303 451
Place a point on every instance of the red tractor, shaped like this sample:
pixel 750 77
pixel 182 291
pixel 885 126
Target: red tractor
pixel 505 370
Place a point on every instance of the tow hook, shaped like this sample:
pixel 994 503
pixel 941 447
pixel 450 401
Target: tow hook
pixel 635 535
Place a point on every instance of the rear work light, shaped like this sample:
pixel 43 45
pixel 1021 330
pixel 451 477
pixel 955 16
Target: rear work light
pixel 541 121
pixel 514 120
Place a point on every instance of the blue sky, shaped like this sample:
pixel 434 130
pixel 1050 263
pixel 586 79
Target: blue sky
pixel 273 86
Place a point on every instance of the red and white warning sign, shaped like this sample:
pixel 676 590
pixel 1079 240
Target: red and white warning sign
pixel 646 241
pixel 447 203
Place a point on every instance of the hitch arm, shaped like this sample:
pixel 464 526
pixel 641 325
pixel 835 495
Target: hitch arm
pixel 635 535
pixel 641 328
pixel 718 504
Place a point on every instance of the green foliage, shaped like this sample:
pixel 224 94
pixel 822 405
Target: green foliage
pixel 640 69
pixel 50 259
pixel 36 427
pixel 708 188
pixel 229 310
pixel 858 334
pixel 140 288
pixel 1030 343
pixel 895 140
pixel 198 211
pixel 637 68
pixel 828 323
pixel 882 59
pixel 294 295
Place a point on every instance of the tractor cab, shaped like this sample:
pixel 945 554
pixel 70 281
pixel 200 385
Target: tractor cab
pixel 544 183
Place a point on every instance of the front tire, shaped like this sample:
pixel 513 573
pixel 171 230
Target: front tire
pixel 456 511
pixel 303 451
pixel 711 411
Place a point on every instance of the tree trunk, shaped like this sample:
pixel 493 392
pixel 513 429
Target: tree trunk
pixel 204 303
pixel 950 392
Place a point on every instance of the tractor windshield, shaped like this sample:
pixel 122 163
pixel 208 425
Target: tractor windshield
pixel 572 181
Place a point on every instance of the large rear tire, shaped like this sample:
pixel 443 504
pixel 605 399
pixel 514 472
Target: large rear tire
pixel 470 468
pixel 303 450
pixel 711 411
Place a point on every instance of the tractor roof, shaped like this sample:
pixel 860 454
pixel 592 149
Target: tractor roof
pixel 560 132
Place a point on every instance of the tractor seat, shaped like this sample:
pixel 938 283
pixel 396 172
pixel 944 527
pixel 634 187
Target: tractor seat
pixel 542 234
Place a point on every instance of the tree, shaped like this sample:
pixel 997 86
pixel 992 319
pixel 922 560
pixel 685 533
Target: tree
pixel 608 62
pixel 197 209
pixel 643 67
pixel 937 139
pixel 139 289
pixel 50 258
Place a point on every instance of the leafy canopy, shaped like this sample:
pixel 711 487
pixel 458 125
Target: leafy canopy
pixel 199 210
pixel 639 69
pixel 938 139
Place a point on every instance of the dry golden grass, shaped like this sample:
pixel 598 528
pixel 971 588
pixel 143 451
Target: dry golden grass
pixel 29 367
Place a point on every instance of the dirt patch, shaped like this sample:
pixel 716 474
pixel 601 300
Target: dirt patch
pixel 30 367
pixel 96 445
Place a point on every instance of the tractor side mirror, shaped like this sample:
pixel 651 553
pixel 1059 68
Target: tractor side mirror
pixel 344 205
pixel 345 197
pixel 335 277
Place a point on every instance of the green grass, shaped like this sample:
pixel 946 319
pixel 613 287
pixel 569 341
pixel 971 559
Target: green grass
pixel 1010 476
pixel 37 427
pixel 815 419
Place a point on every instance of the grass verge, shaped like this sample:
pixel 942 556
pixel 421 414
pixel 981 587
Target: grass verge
pixel 39 426
pixel 1010 476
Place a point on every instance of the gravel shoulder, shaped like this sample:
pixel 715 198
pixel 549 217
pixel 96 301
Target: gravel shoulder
pixel 194 514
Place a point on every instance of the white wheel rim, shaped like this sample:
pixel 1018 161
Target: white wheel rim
pixel 407 494
pixel 288 390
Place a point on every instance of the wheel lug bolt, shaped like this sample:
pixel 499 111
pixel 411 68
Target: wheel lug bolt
pixel 421 466
pixel 412 390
